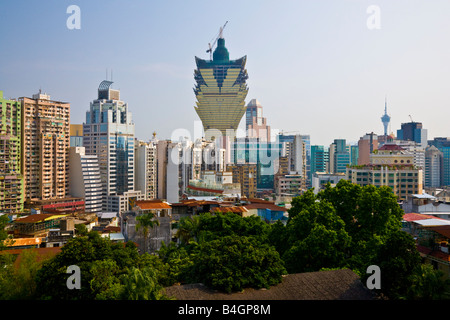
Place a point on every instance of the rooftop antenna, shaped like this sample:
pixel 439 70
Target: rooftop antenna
pixel 219 36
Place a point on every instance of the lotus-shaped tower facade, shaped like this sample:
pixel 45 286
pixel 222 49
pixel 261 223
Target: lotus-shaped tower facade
pixel 220 90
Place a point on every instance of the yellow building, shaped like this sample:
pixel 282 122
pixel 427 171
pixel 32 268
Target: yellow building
pixel 390 166
pixel 220 90
pixel 245 175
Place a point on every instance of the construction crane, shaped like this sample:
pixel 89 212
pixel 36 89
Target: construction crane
pixel 411 118
pixel 215 41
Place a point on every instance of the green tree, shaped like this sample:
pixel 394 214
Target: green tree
pixel 366 211
pixel 397 258
pixel 81 229
pixel 188 229
pixel 101 263
pixel 146 222
pixel 316 235
pixel 17 279
pixel 214 226
pixel 177 261
pixel 232 263
pixel 3 233
pixel 350 226
pixel 142 284
pixel 428 284
pixel 105 283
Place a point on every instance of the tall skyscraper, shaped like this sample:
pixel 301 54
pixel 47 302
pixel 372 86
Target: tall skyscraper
pixel 46 147
pixel 319 159
pixel 11 178
pixel 220 89
pixel 84 179
pixel 413 131
pixel 109 133
pixel 434 161
pixel 255 123
pixel 385 119
pixel 146 168
pixel 339 156
pixel 354 155
pixel 443 144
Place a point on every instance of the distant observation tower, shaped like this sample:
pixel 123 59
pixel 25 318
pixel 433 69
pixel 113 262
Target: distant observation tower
pixel 385 119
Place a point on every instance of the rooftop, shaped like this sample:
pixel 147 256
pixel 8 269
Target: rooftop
pixel 391 147
pixel 152 204
pixel 323 285
pixel 33 218
pixel 268 206
pixel 234 209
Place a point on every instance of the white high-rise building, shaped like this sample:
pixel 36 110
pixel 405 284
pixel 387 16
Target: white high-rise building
pixel 84 179
pixel 146 170
pixel 434 160
pixel 109 133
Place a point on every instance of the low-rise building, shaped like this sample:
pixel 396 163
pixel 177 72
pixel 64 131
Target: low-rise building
pixel 290 184
pixel 321 179
pixel 389 166
pixel 432 236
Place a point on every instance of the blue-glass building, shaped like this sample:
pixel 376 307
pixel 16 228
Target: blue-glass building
pixel 443 144
pixel 341 156
pixel 413 131
pixel 262 153
pixel 109 133
pixel 319 159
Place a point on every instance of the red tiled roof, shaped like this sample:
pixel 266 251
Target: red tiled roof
pixel 152 204
pixel 417 216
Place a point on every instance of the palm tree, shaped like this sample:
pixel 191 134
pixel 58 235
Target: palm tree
pixel 142 285
pixel 146 221
pixel 188 229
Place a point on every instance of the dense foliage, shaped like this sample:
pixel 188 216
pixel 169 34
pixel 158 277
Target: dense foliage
pixel 347 226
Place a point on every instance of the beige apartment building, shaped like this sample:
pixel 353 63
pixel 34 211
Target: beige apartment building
pixel 45 147
pixel 245 175
pixel 390 166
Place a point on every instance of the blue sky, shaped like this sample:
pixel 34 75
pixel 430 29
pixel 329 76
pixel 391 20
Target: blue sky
pixel 314 65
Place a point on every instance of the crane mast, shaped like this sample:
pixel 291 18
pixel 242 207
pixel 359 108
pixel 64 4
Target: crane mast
pixel 220 35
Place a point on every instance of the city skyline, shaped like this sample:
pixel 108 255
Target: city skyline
pixel 311 65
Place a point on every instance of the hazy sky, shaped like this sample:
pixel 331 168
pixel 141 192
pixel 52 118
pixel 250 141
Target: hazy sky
pixel 314 65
